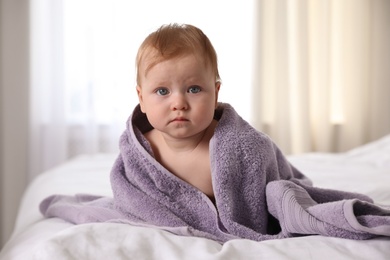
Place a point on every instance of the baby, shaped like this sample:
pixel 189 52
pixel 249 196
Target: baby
pixel 177 85
pixel 192 166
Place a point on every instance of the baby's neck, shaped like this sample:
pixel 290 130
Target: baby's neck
pixel 183 145
pixel 161 141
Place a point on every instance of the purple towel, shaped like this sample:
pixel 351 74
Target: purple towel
pixel 259 195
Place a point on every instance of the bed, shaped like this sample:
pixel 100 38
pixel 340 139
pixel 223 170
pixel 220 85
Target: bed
pixel 365 169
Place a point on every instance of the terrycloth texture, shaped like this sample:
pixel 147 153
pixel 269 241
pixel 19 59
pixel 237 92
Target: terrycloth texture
pixel 259 195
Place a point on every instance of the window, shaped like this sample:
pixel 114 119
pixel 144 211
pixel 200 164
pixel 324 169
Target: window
pixel 101 39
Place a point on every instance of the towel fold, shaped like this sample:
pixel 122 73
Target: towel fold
pixel 259 195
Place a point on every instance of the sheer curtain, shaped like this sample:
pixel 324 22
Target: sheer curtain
pixel 83 66
pixel 322 80
pixel 316 79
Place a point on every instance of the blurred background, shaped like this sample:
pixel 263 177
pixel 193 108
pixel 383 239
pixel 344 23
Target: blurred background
pixel 314 75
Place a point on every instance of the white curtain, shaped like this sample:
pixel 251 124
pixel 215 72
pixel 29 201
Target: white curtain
pixel 316 78
pixel 322 80
pixel 83 67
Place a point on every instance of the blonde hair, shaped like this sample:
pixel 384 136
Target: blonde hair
pixel 172 41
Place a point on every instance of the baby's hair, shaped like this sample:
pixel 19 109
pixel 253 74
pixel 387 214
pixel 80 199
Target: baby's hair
pixel 175 40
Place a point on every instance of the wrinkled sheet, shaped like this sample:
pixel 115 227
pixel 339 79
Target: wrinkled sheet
pixel 365 169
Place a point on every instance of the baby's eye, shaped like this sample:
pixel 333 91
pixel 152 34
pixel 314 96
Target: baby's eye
pixel 194 89
pixel 162 91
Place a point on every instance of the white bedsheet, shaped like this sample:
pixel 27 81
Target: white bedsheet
pixel 365 169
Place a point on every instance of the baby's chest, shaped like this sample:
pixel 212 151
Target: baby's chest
pixel 196 173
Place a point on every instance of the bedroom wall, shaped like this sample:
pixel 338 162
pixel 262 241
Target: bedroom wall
pixel 380 68
pixel 14 78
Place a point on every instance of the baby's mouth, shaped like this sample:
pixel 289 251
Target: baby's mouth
pixel 179 119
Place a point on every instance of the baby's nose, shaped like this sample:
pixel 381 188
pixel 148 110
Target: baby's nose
pixel 179 102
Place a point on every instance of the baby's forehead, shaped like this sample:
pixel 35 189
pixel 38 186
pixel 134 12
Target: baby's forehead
pixel 150 61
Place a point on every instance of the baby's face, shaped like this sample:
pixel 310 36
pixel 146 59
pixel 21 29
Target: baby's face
pixel 179 96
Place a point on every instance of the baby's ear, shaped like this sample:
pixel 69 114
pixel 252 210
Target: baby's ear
pixel 217 87
pixel 140 99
